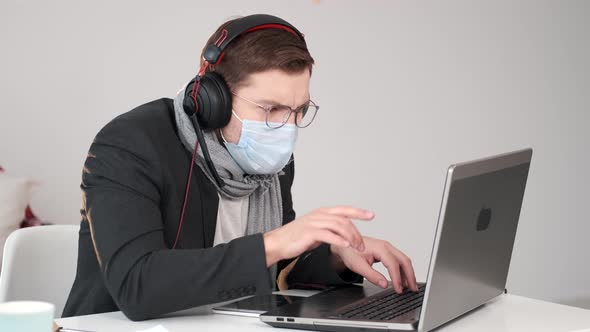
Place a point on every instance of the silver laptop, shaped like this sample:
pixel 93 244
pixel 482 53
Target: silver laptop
pixel 468 267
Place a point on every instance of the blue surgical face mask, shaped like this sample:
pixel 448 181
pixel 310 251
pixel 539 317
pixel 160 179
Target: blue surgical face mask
pixel 262 150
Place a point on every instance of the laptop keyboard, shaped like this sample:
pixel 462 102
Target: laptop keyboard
pixel 385 305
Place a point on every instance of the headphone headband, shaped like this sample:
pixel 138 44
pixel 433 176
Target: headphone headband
pixel 214 52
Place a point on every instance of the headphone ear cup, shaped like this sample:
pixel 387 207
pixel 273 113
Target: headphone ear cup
pixel 214 100
pixel 188 103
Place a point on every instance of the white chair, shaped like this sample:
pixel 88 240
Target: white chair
pixel 39 263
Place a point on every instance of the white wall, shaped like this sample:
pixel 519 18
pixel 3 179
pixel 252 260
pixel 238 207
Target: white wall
pixel 405 89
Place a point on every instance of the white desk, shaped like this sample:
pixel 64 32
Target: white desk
pixel 506 313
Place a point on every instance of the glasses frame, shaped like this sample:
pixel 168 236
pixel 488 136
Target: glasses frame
pixel 268 110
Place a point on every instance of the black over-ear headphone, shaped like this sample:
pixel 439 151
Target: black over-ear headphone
pixel 208 100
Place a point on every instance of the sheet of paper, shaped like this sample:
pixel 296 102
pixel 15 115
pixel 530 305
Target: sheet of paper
pixel 157 328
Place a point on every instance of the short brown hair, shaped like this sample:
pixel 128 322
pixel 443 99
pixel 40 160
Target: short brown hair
pixel 259 51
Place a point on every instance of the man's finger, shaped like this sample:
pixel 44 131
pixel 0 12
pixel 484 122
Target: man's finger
pixel 342 230
pixel 407 268
pixel 349 212
pixel 393 267
pixel 325 236
pixel 342 226
pixel 362 267
pixel 410 276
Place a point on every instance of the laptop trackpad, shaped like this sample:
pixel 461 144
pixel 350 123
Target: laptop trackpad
pixel 327 303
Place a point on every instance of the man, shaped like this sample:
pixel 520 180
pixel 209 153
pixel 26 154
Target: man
pixel 157 236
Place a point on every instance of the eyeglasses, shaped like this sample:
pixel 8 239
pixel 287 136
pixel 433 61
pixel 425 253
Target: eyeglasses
pixel 278 115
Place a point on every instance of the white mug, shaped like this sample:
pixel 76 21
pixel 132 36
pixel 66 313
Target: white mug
pixel 26 316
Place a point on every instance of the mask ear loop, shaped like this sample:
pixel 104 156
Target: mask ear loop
pixel 223 137
pixel 237 117
pixel 221 130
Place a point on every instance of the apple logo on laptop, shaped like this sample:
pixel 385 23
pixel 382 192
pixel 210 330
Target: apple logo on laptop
pixel 483 220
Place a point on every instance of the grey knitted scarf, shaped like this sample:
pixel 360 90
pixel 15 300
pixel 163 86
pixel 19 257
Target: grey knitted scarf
pixel 265 209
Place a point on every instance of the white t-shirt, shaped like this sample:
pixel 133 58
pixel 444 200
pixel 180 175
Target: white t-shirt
pixel 232 219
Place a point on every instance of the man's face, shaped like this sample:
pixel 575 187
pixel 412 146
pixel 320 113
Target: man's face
pixel 268 88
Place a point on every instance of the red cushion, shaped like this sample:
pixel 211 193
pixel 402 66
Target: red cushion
pixel 30 218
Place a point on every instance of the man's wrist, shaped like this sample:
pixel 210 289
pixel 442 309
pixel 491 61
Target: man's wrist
pixel 336 260
pixel 270 249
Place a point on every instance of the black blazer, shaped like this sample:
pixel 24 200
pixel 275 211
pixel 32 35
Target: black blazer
pixel 133 185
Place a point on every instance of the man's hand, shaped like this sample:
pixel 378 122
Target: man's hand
pixel 397 263
pixel 326 225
